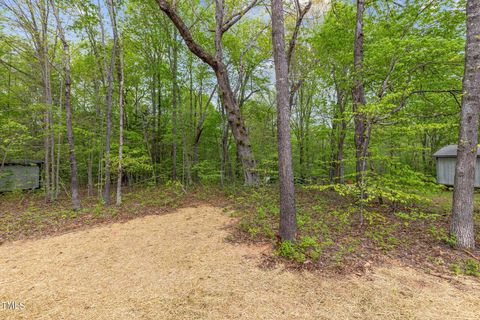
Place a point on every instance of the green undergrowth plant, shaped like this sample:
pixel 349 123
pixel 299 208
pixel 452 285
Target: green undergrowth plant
pixel 468 267
pixel 332 233
pixel 472 267
pixel 442 235
pixel 399 185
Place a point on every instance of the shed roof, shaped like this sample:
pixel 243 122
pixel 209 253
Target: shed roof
pixel 24 162
pixel 449 151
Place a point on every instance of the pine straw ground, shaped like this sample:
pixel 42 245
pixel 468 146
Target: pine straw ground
pixel 179 266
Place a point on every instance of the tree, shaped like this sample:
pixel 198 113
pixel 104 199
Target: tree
pixel 109 101
pixel 68 109
pixel 174 68
pixel 362 126
pixel 462 224
pixel 121 116
pixel 217 64
pixel 288 225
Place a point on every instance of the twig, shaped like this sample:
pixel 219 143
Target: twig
pixel 471 254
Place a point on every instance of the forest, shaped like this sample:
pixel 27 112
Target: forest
pixel 307 129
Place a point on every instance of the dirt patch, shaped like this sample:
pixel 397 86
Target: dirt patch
pixel 179 266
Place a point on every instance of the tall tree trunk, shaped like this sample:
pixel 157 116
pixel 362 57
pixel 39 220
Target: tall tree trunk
pixel 46 160
pixel 337 170
pixel 224 167
pixel 43 50
pixel 109 100
pixel 90 173
pixel 121 89
pixel 362 126
pixel 234 117
pixel 59 144
pixel 174 104
pixel 340 167
pixel 159 119
pixel 68 110
pixel 462 223
pixel 333 147
pixel 52 153
pixel 288 226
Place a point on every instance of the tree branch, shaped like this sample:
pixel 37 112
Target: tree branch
pixel 184 31
pixel 234 18
pixel 13 67
pixel 301 14
pixel 403 103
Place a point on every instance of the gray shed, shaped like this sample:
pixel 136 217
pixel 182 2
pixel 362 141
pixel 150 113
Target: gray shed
pixel 446 159
pixel 20 175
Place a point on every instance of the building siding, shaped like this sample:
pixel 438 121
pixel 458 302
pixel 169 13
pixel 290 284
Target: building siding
pixel 15 177
pixel 446 171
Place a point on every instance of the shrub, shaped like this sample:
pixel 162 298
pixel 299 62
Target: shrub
pixel 472 268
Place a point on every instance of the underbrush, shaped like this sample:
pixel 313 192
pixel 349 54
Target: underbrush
pixel 340 232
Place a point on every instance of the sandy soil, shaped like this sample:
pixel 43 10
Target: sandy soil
pixel 178 266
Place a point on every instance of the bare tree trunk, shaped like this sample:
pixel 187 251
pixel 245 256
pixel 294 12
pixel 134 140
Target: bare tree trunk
pixel 362 126
pixel 90 173
pixel 340 167
pixel 333 148
pixel 108 134
pixel 337 167
pixel 462 224
pixel 235 119
pixel 224 148
pixel 68 110
pixel 59 144
pixel 46 160
pixel 52 153
pixel 43 53
pixel 288 226
pixel 174 104
pixel 121 80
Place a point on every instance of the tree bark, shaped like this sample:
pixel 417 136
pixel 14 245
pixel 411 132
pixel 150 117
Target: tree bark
pixel 174 104
pixel 288 226
pixel 362 126
pixel 109 100
pixel 234 117
pixel 121 89
pixel 339 127
pixel 90 173
pixel 462 223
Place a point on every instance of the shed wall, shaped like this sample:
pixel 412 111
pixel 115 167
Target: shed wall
pixel 446 171
pixel 14 177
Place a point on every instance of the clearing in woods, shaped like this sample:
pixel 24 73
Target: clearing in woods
pixel 179 266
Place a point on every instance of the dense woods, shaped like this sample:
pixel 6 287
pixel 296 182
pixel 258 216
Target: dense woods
pixel 353 96
pixel 239 159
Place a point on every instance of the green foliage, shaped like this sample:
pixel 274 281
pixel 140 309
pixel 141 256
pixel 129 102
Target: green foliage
pixel 207 171
pixel 399 185
pixel 456 269
pixel 290 251
pixel 472 267
pixel 441 234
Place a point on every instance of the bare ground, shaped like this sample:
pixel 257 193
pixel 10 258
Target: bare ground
pixel 179 266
